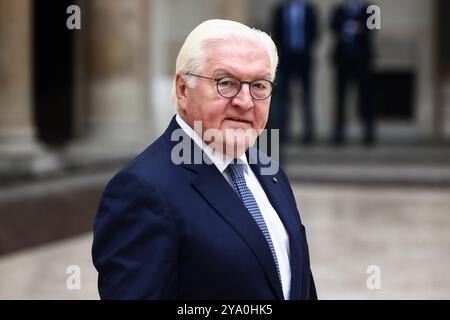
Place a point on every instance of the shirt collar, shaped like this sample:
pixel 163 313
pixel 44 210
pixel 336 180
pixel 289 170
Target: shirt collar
pixel 220 161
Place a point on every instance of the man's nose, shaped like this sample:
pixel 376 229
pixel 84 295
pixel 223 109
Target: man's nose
pixel 244 99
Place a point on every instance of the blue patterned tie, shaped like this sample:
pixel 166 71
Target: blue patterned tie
pixel 240 186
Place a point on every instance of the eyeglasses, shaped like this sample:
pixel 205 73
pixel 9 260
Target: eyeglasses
pixel 229 87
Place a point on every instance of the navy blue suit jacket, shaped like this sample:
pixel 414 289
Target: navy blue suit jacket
pixel 167 231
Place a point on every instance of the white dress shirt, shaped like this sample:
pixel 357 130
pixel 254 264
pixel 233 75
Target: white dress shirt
pixel 280 238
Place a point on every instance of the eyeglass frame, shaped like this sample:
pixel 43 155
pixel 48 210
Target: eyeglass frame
pixel 272 84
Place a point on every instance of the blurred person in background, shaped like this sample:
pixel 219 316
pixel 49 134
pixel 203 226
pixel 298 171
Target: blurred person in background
pixel 353 57
pixel 199 230
pixel 295 32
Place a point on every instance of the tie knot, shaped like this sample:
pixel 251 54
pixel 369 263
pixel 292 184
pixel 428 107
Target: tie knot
pixel 236 170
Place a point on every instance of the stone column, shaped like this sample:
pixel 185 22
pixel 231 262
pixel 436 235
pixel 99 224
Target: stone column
pixel 426 108
pixel 116 74
pixel 16 125
pixel 20 154
pixel 445 121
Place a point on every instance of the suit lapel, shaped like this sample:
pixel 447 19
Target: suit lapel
pixel 279 202
pixel 214 188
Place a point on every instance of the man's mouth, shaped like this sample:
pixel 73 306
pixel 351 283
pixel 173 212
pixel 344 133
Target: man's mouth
pixel 238 119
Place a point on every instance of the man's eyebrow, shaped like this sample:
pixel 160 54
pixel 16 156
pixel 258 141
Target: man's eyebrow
pixel 222 71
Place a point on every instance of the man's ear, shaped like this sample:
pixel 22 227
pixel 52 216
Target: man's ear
pixel 181 92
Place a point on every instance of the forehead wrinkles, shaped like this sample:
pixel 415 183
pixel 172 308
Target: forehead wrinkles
pixel 232 57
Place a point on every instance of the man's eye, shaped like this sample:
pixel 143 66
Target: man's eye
pixel 228 82
pixel 259 86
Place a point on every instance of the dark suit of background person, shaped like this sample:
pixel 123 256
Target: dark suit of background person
pixel 295 31
pixel 353 57
pixel 167 231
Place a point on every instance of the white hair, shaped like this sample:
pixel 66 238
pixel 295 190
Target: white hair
pixel 191 57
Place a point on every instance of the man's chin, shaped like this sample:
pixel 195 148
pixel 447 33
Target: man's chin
pixel 233 149
pixel 237 148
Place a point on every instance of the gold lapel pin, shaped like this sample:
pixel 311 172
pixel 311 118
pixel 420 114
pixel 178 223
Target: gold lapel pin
pixel 274 180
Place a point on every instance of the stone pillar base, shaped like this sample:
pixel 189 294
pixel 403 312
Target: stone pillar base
pixel 94 152
pixel 27 160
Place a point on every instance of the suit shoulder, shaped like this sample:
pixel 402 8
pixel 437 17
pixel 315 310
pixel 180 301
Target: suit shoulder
pixel 152 165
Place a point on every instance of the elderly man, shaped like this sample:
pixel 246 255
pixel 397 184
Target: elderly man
pixel 218 228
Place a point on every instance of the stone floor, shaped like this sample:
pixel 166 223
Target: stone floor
pixel 405 232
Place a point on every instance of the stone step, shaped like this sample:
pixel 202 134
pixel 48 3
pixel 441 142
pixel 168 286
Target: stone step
pixel 406 165
pixel 382 155
pixel 382 165
pixel 371 174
